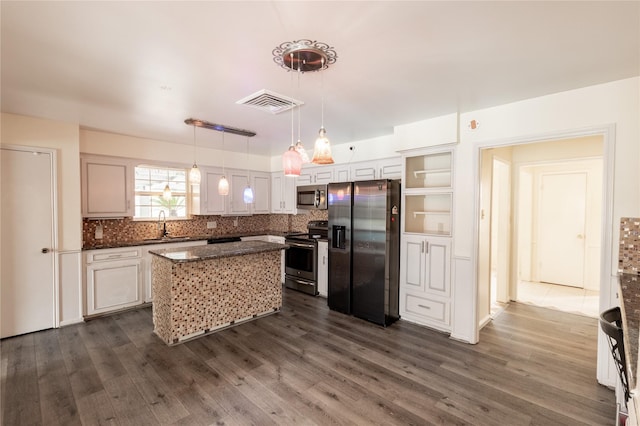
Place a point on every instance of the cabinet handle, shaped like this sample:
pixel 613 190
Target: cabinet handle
pixel 323 260
pixel 422 247
pixel 424 306
pixel 114 256
pixel 426 246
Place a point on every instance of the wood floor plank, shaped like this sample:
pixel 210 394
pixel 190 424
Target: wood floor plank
pixel 96 409
pixel 58 405
pixel 20 396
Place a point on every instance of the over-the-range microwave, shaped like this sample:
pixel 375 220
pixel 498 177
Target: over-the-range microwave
pixel 311 197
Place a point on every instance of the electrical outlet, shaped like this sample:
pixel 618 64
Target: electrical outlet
pixel 235 222
pixel 99 231
pixel 212 225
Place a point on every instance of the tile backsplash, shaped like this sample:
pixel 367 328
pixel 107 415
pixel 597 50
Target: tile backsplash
pixel 629 255
pixel 129 230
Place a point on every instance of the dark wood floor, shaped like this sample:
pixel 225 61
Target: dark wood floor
pixel 308 365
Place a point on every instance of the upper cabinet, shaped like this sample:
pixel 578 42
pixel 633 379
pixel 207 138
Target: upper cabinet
pixel 314 175
pixel 388 168
pixel 207 201
pixel 261 184
pixel 283 193
pixel 107 187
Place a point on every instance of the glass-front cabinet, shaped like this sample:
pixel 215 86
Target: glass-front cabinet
pixel 427 229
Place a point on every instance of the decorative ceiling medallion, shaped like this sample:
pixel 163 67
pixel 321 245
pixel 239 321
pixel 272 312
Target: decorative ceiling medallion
pixel 304 55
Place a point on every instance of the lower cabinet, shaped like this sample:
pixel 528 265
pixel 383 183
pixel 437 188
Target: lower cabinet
pixel 425 283
pixel 113 279
pixel 323 268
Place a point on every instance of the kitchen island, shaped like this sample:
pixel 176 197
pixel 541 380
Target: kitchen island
pixel 201 289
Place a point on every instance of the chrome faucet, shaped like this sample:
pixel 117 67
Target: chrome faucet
pixel 162 217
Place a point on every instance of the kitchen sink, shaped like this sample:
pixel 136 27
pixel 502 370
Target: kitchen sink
pixel 171 238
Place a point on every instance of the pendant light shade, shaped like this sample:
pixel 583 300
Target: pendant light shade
pixel 303 152
pixel 247 195
pixel 223 186
pixel 291 162
pixel 166 194
pixel 194 175
pixel 322 149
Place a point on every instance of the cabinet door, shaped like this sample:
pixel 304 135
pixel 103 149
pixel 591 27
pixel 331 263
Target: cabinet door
pixel 289 195
pixel 323 268
pixel 306 177
pixel 213 202
pixel 261 184
pixel 390 168
pixel 437 266
pixel 363 171
pixel 341 174
pixel 235 201
pixel 113 285
pixel 105 188
pixel 324 175
pixel 277 202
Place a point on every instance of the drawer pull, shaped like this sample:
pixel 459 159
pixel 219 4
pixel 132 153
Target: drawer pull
pixel 114 256
pixel 424 306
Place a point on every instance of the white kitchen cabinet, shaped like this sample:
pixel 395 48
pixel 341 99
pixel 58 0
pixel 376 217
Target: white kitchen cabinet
pixel 205 197
pixel 425 280
pixel 323 268
pixel 283 193
pixel 425 255
pixel 113 279
pixel 341 173
pixel 107 187
pixel 147 259
pixel 315 175
pixel 261 185
pixel 389 168
pixel 238 181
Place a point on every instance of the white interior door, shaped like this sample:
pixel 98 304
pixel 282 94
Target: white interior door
pixel 501 230
pixel 561 228
pixel 27 291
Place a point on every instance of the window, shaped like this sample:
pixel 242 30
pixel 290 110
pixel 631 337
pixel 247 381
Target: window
pixel 150 183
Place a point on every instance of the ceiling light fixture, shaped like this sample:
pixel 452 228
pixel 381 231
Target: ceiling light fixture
pixel 307 55
pixel 223 183
pixel 219 127
pixel 194 173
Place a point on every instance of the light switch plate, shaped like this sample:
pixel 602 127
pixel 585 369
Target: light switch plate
pixel 98 234
pixel 211 225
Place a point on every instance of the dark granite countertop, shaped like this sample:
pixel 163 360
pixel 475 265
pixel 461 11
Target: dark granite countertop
pixel 179 239
pixel 630 293
pixel 216 251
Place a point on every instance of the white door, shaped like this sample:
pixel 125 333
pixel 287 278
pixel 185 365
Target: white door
pixel 500 230
pixel 27 228
pixel 561 227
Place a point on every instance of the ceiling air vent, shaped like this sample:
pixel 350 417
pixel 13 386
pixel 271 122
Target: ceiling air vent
pixel 272 102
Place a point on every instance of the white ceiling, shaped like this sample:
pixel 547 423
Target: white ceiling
pixel 141 68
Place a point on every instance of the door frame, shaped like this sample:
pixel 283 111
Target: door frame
pixel 607 132
pixel 54 220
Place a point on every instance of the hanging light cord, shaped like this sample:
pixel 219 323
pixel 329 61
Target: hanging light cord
pixel 292 107
pixel 322 89
pixel 223 171
pixel 194 144
pixel 298 94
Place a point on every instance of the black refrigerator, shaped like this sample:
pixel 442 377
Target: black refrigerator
pixel 364 249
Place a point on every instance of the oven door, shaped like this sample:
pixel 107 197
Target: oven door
pixel 301 260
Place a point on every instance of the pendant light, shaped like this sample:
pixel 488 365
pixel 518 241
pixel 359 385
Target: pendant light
pixel 223 183
pixel 322 148
pixel 247 194
pixel 291 159
pixel 166 194
pixel 194 173
pixel 299 146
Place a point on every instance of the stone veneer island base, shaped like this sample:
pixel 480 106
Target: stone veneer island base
pixel 198 290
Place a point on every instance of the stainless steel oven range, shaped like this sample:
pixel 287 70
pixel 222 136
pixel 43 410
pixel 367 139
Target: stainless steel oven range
pixel 301 258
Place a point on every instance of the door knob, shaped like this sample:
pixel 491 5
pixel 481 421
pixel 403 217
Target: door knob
pixel 45 250
pixel 580 236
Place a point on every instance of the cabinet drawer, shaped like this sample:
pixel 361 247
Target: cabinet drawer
pixel 111 255
pixel 430 309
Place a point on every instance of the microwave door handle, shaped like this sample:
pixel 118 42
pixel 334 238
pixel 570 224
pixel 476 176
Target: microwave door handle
pixel 316 201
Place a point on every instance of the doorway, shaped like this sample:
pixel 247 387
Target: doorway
pixel 28 228
pixel 520 226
